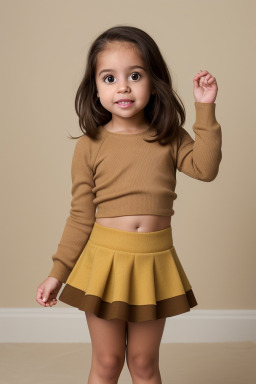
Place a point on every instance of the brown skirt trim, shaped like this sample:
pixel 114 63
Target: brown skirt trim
pixel 124 311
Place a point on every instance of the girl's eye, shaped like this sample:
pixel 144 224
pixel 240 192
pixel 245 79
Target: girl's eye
pixel 107 77
pixel 135 76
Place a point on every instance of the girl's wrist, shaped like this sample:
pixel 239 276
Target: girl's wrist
pixel 205 102
pixel 51 277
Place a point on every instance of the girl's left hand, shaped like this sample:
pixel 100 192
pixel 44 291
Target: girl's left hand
pixel 205 87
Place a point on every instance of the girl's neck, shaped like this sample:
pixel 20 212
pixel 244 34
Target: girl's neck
pixel 132 125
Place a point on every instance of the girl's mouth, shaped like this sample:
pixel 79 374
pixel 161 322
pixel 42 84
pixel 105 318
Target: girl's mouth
pixel 125 104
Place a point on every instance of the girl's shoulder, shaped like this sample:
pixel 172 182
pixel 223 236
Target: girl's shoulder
pixel 86 140
pixel 82 143
pixel 88 145
pixel 95 137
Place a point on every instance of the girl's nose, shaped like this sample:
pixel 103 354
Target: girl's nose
pixel 123 86
pixel 124 89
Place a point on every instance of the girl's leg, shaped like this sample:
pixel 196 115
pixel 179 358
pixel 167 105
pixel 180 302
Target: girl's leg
pixel 108 349
pixel 143 350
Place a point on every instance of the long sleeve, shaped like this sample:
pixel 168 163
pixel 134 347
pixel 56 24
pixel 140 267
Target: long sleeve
pixel 200 158
pixel 82 213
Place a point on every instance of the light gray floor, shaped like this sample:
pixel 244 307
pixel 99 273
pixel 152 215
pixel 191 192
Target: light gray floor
pixel 69 363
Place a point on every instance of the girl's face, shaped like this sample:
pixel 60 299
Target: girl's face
pixel 121 74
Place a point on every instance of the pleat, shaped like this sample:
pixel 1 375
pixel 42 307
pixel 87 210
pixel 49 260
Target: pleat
pixel 129 276
pixel 136 279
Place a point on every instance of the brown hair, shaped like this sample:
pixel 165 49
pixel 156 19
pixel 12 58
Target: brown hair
pixel 164 111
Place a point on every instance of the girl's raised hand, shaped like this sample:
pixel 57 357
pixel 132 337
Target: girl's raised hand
pixel 47 292
pixel 205 87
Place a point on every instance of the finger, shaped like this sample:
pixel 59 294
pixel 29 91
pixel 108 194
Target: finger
pixel 208 76
pixel 54 302
pixel 46 296
pixel 51 303
pixel 39 295
pixel 212 80
pixel 41 302
pixel 195 83
pixel 206 81
pixel 202 73
pixel 202 81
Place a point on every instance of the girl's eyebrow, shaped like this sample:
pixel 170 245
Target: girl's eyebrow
pixel 131 67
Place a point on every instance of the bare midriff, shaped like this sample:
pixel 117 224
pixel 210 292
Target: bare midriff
pixel 138 223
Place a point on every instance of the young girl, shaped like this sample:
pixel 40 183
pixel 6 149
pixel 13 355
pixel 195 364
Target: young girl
pixel 118 262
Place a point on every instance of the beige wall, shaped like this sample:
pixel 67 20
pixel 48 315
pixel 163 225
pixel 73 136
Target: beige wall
pixel 43 48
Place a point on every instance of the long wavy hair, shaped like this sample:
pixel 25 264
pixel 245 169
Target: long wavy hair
pixel 165 111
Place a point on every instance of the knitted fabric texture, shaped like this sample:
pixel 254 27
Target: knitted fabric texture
pixel 121 174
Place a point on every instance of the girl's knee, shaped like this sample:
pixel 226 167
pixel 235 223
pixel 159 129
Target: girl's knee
pixel 143 365
pixel 108 366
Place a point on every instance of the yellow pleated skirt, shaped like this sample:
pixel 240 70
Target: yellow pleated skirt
pixel 132 276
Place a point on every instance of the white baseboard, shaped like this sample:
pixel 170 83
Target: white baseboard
pixel 61 325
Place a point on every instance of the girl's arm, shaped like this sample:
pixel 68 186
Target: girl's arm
pixel 82 213
pixel 200 158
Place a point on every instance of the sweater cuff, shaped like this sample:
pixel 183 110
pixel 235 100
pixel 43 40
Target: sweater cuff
pixel 205 113
pixel 59 271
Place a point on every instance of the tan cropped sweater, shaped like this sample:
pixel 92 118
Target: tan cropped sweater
pixel 121 174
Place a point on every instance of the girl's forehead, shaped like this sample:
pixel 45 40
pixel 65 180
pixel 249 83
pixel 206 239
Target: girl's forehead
pixel 114 50
pixel 120 44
